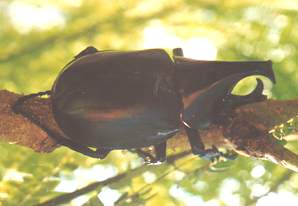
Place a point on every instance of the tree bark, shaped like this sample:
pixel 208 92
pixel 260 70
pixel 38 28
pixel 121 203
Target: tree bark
pixel 246 131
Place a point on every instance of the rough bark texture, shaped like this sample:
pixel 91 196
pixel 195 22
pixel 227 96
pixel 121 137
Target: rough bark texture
pixel 246 132
pixel 17 129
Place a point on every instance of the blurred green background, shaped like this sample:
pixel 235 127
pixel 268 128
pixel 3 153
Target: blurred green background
pixel 38 37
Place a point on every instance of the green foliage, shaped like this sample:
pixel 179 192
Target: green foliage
pixel 31 59
pixel 94 201
pixel 287 128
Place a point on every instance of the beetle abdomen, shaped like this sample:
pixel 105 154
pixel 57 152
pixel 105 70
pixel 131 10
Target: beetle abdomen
pixel 118 99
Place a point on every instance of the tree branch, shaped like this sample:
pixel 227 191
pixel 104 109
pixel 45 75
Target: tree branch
pixel 17 129
pixel 247 132
pixel 64 198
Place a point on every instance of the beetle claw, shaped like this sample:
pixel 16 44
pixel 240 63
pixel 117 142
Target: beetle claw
pixel 229 155
pixel 160 154
pixel 210 154
pixel 214 155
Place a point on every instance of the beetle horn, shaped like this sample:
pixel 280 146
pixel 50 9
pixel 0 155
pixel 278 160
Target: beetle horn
pixel 232 101
pixel 267 71
pixel 192 75
pixel 201 110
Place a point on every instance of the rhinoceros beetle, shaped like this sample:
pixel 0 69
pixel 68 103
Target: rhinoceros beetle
pixel 111 100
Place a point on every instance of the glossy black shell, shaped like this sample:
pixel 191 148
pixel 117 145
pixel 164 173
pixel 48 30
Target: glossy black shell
pixel 118 100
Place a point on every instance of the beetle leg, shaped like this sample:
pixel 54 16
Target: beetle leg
pixel 160 152
pixel 197 146
pixel 88 50
pixel 102 153
pixel 99 153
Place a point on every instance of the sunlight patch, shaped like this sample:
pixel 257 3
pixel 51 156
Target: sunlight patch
pixel 74 3
pixel 258 171
pixel 230 196
pixel 184 196
pixel 83 176
pixel 277 199
pixel 26 17
pixel 258 190
pixel 200 48
pixel 109 196
pixel 149 177
pixel 156 36
pixel 14 175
